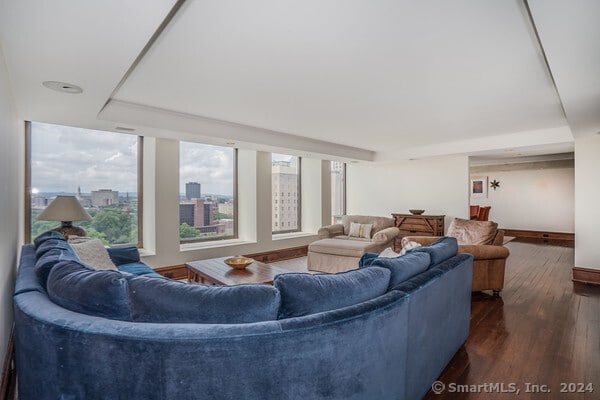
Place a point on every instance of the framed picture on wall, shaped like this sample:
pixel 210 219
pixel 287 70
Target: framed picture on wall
pixel 479 187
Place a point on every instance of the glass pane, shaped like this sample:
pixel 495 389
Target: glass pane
pixel 338 191
pixel 285 187
pixel 206 192
pixel 99 168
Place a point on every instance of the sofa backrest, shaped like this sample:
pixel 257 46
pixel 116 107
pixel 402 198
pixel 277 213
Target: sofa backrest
pixel 473 232
pixel 378 223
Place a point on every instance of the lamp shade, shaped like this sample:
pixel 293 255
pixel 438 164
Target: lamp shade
pixel 64 208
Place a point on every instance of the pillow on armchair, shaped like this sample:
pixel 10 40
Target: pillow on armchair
pixel 472 232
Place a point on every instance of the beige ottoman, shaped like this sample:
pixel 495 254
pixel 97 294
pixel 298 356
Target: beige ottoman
pixel 339 254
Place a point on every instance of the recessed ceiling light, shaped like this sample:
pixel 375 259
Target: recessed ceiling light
pixel 63 87
pixel 230 143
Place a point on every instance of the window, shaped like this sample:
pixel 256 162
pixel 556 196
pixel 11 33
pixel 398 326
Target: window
pixel 285 173
pixel 338 191
pixel 102 169
pixel 207 192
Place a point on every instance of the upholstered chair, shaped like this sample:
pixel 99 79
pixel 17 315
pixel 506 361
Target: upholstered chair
pixel 484 241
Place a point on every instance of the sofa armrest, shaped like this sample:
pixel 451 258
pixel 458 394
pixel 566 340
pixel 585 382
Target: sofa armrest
pixel 484 251
pixel 385 235
pixel 422 240
pixel 329 231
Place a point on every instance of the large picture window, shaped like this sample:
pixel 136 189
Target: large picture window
pixel 101 169
pixel 338 191
pixel 207 192
pixel 285 187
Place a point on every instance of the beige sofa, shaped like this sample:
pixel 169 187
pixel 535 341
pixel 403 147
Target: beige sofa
pixel 484 241
pixel 336 251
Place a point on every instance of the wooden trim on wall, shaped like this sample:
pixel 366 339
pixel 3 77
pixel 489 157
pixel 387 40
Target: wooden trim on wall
pixel 586 275
pixel 557 238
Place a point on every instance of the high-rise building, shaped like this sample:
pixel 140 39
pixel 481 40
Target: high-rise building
pixel 105 197
pixel 284 181
pixel 186 213
pixel 192 190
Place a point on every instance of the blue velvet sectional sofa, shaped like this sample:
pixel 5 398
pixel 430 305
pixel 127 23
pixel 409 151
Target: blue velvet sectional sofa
pixel 383 331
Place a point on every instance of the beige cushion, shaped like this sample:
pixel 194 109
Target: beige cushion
pixel 378 223
pixel 92 253
pixel 472 232
pixel 360 230
pixel 340 247
pixel 409 246
pixel 388 253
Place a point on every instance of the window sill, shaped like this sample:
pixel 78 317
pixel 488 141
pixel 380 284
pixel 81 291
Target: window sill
pixel 213 244
pixel 292 235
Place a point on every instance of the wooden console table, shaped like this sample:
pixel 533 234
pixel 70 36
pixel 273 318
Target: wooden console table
pixel 418 225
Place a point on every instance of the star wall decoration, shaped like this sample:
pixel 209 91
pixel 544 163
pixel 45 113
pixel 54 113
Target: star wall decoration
pixel 494 184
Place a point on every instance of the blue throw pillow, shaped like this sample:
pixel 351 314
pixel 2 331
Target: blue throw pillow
pixel 138 268
pixel 304 294
pixel 51 244
pixel 124 255
pixel 440 250
pixel 49 259
pixel 163 300
pixel 403 267
pixel 81 289
pixel 47 235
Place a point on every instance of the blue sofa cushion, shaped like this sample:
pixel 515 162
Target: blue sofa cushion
pixel 440 250
pixel 47 235
pixel 403 267
pixel 367 259
pixel 81 289
pixel 304 294
pixel 51 244
pixel 124 254
pixel 49 259
pixel 138 268
pixel 163 300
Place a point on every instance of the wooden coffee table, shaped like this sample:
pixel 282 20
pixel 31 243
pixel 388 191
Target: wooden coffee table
pixel 215 272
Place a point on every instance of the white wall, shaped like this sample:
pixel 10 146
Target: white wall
pixel 439 186
pixel 11 160
pixel 587 204
pixel 532 196
pixel 161 205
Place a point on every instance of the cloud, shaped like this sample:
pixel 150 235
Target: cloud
pixel 65 158
pixel 211 166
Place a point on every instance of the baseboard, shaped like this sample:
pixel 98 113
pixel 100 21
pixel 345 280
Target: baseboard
pixel 176 272
pixel 555 238
pixel 586 275
pixel 279 255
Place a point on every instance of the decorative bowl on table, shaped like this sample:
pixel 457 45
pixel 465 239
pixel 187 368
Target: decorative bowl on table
pixel 416 212
pixel 238 262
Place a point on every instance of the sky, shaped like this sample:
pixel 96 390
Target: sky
pixel 65 158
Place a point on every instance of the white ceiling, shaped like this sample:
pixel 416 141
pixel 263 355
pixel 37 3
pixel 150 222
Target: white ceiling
pixel 354 79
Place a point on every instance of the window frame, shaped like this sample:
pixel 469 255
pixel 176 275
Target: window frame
pixel 140 186
pixel 235 200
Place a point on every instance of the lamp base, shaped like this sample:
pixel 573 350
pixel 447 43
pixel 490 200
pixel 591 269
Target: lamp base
pixel 67 229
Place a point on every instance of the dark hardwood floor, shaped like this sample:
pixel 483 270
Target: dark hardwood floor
pixel 544 330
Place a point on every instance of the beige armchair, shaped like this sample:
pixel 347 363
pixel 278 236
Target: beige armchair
pixel 484 241
pixel 337 250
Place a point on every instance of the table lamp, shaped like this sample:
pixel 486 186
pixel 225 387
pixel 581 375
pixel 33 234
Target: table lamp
pixel 66 209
